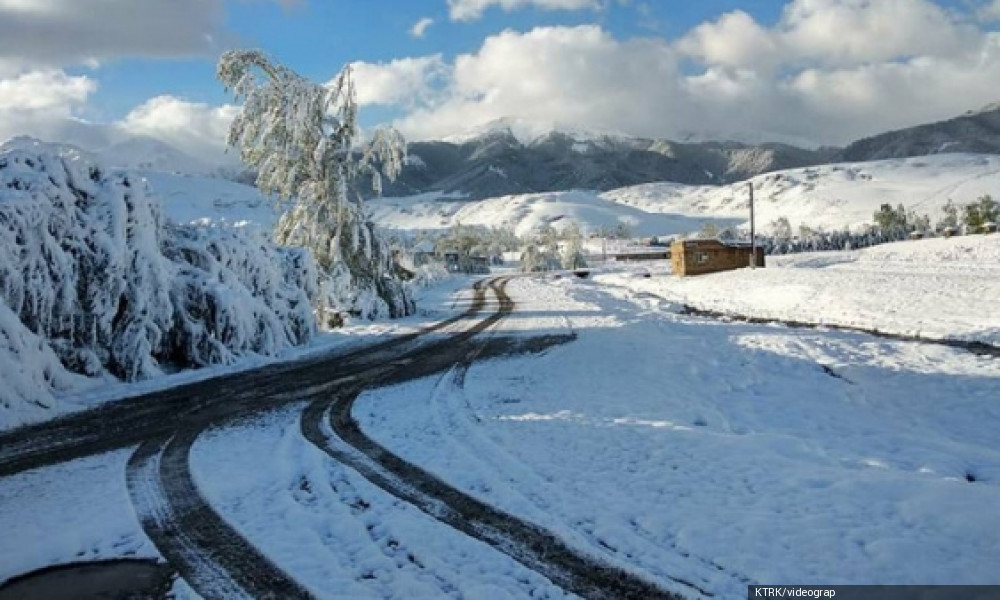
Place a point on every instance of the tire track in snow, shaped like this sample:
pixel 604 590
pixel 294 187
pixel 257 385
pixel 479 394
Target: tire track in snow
pixel 456 419
pixel 211 556
pixel 328 424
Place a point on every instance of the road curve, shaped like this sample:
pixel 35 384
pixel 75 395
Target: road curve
pixel 131 421
pixel 209 553
pixel 328 424
pixel 211 556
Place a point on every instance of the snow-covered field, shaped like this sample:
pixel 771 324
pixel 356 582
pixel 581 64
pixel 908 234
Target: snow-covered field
pixel 528 212
pixel 720 454
pixel 205 200
pixel 936 288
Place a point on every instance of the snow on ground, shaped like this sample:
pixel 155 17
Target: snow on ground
pixel 936 288
pixel 201 200
pixel 719 454
pixel 336 533
pixel 831 196
pixel 73 512
pixel 528 212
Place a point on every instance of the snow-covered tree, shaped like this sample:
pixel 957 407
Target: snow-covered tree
pixel 709 230
pixel 299 136
pixel 572 249
pixel 782 229
pixel 949 220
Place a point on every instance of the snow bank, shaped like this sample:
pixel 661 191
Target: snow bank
pixel 94 282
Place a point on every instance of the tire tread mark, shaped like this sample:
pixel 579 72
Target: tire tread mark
pixel 208 553
pixel 529 544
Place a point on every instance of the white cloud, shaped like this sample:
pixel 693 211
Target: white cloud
pixel 36 103
pixel 990 11
pixel 853 31
pixel 198 129
pixel 46 91
pixel 571 75
pixel 776 82
pixel 470 10
pixel 405 81
pixel 419 28
pixel 734 40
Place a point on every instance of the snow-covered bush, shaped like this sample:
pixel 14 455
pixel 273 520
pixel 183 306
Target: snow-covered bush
pixel 236 293
pixel 429 274
pixel 92 273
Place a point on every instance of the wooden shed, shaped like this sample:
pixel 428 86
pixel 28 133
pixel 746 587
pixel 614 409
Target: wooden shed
pixel 697 257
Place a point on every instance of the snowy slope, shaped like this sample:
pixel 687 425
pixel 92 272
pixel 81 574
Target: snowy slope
pixel 202 200
pixel 830 196
pixel 528 212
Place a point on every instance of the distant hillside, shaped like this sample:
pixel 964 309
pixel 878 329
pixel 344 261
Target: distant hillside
pixel 975 132
pixel 496 163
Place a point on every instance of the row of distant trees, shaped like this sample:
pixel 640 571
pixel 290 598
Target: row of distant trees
pixel 972 217
pixel 546 249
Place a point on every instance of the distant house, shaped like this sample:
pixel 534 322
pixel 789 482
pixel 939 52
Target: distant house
pixel 697 257
pixel 460 263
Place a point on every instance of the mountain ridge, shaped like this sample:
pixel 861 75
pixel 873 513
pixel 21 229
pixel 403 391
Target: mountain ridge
pixel 507 156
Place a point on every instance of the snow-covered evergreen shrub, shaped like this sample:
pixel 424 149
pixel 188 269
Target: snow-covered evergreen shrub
pixel 79 259
pixel 89 270
pixel 235 293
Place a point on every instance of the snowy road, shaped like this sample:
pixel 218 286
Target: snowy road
pixel 658 453
pixel 210 554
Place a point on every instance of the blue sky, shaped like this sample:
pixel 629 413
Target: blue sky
pixel 810 72
pixel 318 37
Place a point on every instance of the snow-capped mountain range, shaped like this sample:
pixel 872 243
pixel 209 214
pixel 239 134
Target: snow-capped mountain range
pixel 514 156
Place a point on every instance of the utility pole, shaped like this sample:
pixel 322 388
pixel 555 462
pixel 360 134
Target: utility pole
pixel 753 233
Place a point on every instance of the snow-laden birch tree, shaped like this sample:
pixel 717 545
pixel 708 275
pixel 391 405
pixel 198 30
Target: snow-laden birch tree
pixel 300 138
